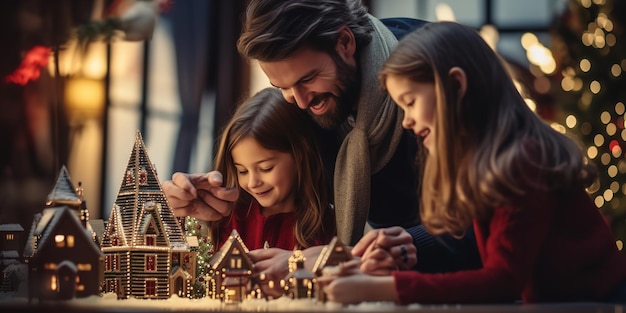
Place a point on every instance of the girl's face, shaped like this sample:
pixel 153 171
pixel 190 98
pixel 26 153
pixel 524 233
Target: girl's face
pixel 268 175
pixel 418 101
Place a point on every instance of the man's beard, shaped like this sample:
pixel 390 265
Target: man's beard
pixel 348 83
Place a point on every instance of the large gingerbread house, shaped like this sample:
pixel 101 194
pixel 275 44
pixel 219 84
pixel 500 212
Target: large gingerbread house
pixel 145 250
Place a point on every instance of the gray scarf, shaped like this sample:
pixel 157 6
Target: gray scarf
pixel 368 147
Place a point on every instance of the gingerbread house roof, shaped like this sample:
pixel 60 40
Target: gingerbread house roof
pixel 141 201
pixel 233 242
pixel 63 192
pixel 332 254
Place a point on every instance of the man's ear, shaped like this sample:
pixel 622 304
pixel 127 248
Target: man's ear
pixel 458 74
pixel 346 45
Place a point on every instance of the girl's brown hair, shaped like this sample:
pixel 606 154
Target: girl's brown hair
pixel 489 147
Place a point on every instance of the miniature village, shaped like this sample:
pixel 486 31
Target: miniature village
pixel 141 252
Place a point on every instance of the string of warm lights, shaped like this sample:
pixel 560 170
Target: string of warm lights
pixel 193 227
pixel 593 83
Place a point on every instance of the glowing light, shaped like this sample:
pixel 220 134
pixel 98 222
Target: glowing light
pixel 612 171
pixel 621 166
pixel 616 70
pixel 611 40
pixel 531 104
pixel 528 40
pixel 585 65
pixel 611 129
pixel 605 159
pixel 616 149
pixel 619 244
pixel 490 35
pixel 567 83
pixel 587 39
pixel 619 108
pixel 571 121
pixel 614 187
pixel 541 56
pixel 608 195
pixel 592 152
pixel 599 201
pixel 598 140
pixel 624 133
pixel 444 12
pixel 558 127
pixel 605 117
pixel 599 2
pixel 578 84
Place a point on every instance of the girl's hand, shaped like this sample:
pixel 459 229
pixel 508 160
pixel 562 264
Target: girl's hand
pixel 397 242
pixel 350 286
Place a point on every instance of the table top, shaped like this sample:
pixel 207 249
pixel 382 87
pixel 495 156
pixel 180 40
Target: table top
pixel 166 306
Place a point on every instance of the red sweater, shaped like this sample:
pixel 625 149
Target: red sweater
pixel 553 247
pixel 255 229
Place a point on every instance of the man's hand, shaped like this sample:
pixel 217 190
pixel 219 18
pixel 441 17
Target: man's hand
pixel 200 195
pixel 379 246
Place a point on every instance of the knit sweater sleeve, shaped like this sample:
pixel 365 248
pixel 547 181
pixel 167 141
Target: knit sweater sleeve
pixel 438 254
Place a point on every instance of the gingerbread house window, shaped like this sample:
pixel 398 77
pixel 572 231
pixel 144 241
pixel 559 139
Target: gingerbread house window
pixel 113 285
pixel 150 262
pixel 143 177
pixel 128 181
pixel 112 262
pixel 62 241
pixel 150 240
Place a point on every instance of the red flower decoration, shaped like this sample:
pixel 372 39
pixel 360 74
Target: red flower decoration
pixel 29 69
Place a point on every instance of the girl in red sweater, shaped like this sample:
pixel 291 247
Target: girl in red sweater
pixel 268 150
pixel 492 163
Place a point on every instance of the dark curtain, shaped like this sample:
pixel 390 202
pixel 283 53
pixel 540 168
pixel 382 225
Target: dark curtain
pixel 190 20
pixel 229 72
pixel 205 34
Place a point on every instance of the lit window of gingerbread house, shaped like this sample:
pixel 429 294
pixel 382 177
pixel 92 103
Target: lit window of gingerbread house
pixel 143 237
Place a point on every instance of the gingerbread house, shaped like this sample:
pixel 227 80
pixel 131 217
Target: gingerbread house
pixel 334 253
pixel 63 258
pixel 230 271
pixel 145 250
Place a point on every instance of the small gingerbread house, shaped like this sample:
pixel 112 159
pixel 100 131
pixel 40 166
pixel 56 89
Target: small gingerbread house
pixel 230 270
pixel 331 255
pixel 63 260
pixel 300 281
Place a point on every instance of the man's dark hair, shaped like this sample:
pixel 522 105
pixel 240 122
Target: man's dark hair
pixel 273 29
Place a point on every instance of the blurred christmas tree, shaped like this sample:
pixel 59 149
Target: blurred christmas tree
pixel 590 52
pixel 194 227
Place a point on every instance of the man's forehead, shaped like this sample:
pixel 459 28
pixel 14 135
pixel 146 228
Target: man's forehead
pixel 297 66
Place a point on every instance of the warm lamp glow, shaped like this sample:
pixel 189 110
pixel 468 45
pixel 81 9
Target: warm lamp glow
pixel 84 97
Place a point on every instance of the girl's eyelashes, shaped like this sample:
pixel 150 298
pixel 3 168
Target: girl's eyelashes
pixel 264 170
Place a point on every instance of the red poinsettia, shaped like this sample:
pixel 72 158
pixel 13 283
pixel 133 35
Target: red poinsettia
pixel 30 68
